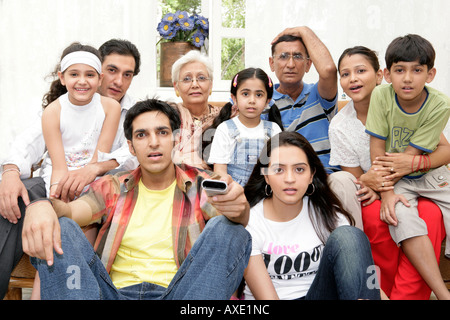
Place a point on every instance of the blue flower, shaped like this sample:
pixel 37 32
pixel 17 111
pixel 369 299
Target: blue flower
pixel 186 24
pixel 181 15
pixel 169 17
pixel 176 26
pixel 171 35
pixel 198 39
pixel 202 22
pixel 164 28
pixel 179 26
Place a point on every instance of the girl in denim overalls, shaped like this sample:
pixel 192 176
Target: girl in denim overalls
pixel 238 141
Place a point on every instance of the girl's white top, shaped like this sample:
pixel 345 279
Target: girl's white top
pixel 223 144
pixel 80 130
pixel 350 144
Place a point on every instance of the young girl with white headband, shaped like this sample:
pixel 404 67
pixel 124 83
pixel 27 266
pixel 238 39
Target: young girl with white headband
pixel 77 122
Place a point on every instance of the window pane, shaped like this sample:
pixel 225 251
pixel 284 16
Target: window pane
pixel 172 6
pixel 233 13
pixel 233 57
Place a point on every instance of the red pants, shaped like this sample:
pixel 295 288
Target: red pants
pixel 399 279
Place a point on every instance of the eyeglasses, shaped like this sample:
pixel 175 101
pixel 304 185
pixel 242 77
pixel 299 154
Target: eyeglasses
pixel 199 79
pixel 285 56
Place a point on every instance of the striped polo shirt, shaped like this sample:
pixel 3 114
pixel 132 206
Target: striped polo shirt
pixel 309 115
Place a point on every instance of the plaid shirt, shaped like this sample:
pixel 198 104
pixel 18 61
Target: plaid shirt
pixel 112 199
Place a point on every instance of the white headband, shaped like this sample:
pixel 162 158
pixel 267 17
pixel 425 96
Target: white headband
pixel 83 57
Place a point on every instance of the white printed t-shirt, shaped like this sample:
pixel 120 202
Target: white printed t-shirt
pixel 291 250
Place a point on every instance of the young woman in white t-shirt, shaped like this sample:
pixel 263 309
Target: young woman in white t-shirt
pixel 303 243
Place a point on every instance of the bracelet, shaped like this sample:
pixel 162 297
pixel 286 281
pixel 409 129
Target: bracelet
pixel 427 166
pixel 418 165
pixel 422 168
pixel 11 169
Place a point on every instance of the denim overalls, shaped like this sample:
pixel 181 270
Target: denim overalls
pixel 246 152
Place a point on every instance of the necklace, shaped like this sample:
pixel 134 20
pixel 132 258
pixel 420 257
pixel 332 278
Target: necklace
pixel 203 116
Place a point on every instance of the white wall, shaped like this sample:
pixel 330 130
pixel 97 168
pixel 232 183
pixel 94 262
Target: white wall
pixel 33 34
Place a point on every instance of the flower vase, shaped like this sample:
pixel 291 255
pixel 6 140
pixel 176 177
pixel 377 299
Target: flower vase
pixel 171 52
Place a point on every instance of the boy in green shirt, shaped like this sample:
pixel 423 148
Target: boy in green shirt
pixel 408 116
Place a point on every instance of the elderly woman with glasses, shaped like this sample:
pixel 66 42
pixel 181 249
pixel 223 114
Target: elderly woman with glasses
pixel 192 77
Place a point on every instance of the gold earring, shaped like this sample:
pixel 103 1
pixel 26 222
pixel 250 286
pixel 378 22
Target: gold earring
pixel 177 93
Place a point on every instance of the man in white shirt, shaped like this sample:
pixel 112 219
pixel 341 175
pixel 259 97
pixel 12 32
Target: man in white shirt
pixel 120 63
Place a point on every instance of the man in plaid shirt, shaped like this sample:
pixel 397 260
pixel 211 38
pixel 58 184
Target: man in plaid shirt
pixel 154 242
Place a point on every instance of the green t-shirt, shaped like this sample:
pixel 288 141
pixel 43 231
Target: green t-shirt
pixel 388 121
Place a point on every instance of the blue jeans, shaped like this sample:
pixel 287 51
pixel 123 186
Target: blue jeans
pixel 213 268
pixel 11 234
pixel 346 270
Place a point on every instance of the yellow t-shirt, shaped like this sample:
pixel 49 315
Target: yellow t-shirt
pixel 146 250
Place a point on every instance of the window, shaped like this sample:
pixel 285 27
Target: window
pixel 233 49
pixel 226 43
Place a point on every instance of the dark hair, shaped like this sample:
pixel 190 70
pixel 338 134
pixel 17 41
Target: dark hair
pixel 124 48
pixel 56 87
pixel 410 48
pixel 370 55
pixel 243 75
pixel 147 106
pixel 325 202
pixel 251 73
pixel 289 38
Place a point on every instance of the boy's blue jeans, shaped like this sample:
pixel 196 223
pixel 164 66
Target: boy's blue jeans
pixel 213 268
